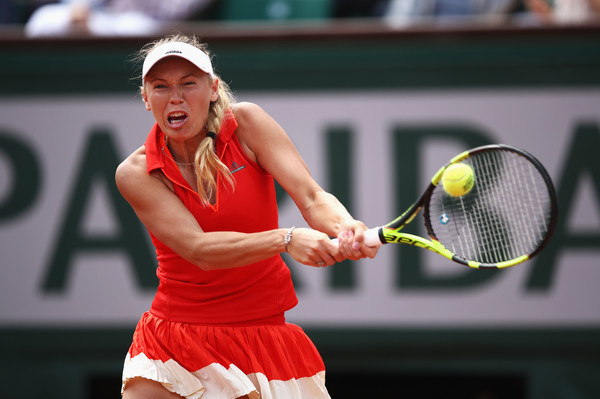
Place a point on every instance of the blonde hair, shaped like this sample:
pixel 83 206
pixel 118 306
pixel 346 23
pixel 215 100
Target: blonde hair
pixel 207 164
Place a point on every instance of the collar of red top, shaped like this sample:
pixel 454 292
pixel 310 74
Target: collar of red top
pixel 156 141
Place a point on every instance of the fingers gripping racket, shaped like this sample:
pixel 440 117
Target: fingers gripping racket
pixel 506 218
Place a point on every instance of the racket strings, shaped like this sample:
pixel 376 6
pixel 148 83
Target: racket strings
pixel 506 215
pixel 495 249
pixel 476 223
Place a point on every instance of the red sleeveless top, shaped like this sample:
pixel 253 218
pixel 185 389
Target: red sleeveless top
pixel 255 293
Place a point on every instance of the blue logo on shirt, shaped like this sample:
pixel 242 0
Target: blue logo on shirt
pixel 235 167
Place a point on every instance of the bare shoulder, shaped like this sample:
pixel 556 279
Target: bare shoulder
pixel 263 137
pixel 133 167
pixel 247 112
pixel 253 119
pixel 132 175
pixel 254 128
pixel 255 125
pixel 134 181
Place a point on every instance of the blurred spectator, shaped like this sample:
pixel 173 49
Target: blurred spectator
pixel 564 11
pixel 525 11
pixel 409 9
pixel 109 17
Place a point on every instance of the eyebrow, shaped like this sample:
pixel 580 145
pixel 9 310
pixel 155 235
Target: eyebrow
pixel 191 74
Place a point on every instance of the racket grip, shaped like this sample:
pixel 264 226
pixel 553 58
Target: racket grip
pixel 371 238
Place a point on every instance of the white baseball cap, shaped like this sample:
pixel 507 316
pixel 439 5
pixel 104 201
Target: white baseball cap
pixel 178 49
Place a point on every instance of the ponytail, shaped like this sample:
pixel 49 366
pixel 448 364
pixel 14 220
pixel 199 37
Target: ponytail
pixel 208 166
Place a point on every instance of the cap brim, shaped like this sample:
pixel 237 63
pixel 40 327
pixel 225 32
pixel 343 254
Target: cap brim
pixel 178 49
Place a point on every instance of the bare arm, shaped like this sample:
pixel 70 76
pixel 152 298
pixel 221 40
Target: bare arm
pixel 268 143
pixel 166 217
pixel 541 9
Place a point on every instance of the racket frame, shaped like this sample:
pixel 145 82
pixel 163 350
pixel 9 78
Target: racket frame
pixel 390 233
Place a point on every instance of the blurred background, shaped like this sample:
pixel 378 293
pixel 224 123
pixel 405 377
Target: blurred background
pixel 377 95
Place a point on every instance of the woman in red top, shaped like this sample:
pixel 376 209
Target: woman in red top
pixel 202 184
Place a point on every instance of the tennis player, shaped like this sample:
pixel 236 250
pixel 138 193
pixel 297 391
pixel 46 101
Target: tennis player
pixel 202 184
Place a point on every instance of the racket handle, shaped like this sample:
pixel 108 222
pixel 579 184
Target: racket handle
pixel 371 238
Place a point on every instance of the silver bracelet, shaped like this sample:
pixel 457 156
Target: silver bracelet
pixel 288 238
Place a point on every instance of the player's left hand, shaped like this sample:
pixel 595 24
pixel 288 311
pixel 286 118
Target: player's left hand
pixel 351 241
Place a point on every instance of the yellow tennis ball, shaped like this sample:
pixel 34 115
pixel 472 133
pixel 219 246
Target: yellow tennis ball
pixel 458 179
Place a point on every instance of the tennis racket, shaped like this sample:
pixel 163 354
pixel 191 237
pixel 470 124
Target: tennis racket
pixel 507 218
